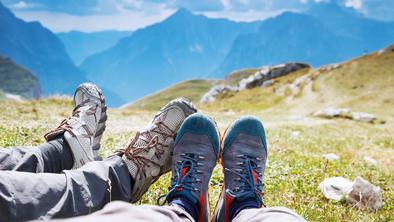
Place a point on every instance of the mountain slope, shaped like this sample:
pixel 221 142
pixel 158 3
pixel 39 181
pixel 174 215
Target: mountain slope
pixel 191 89
pixel 17 80
pixel 80 45
pixel 326 33
pixel 362 84
pixel 181 47
pixel 33 46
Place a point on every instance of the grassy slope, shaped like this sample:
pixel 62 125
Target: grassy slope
pixel 295 167
pixel 192 89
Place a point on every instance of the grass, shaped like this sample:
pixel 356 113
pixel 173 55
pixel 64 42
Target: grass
pixel 295 164
pixel 192 89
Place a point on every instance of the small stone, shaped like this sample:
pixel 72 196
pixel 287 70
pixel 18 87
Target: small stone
pixel 295 134
pixel 370 160
pixel 364 195
pixel 363 117
pixel 330 156
pixel 332 112
pixel 335 188
pixel 211 95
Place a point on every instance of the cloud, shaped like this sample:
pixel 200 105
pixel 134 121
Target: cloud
pixel 356 4
pixel 62 22
pixel 91 15
pixel 20 5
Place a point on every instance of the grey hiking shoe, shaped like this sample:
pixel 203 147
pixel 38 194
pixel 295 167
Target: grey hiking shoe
pixel 244 157
pixel 196 152
pixel 84 129
pixel 148 155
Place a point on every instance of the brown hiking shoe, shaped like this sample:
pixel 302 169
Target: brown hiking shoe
pixel 148 155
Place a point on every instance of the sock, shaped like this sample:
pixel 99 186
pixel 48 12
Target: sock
pixel 237 207
pixel 186 204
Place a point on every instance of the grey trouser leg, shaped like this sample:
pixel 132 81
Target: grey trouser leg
pixel 52 157
pixel 125 212
pixel 271 214
pixel 27 196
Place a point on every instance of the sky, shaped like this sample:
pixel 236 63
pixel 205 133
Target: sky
pixel 99 15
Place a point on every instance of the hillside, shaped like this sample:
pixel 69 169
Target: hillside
pixel 17 80
pixel 36 48
pixel 80 45
pixel 364 84
pixel 192 89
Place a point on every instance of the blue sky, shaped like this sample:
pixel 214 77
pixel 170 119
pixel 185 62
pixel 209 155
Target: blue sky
pixel 97 15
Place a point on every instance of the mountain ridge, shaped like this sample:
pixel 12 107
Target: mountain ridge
pixel 80 45
pixel 35 47
pixel 316 36
pixel 181 46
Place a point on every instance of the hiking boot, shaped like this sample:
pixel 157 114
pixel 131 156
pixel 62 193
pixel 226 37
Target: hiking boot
pixel 84 129
pixel 244 156
pixel 148 154
pixel 196 152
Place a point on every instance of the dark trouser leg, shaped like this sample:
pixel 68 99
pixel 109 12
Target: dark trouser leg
pixel 51 157
pixel 28 196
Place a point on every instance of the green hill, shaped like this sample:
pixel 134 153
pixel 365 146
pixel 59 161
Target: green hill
pixel 192 89
pixel 17 80
pixel 363 84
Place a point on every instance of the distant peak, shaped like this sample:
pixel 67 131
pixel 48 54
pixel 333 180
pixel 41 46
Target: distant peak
pixel 182 12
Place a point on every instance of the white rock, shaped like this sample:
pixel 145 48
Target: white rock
pixel 335 188
pixel 211 95
pixel 370 160
pixel 295 134
pixel 389 48
pixel 330 156
pixel 267 73
pixel 364 195
pixel 267 83
pixel 332 112
pixel 14 97
pixel 363 117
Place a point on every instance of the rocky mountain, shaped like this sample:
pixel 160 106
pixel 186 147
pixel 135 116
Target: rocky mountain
pixel 36 48
pixel 326 33
pixel 80 45
pixel 181 47
pixel 17 80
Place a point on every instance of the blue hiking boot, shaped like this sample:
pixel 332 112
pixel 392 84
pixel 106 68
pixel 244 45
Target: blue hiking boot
pixel 195 155
pixel 244 156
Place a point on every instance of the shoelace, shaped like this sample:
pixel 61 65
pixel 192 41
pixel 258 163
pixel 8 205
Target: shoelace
pixel 186 168
pixel 136 154
pixel 247 166
pixel 64 124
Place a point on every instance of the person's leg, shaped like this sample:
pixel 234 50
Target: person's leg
pixel 244 157
pixel 52 157
pixel 26 196
pixel 196 152
pixel 75 142
pixel 269 214
pixel 125 212
pixel 89 188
